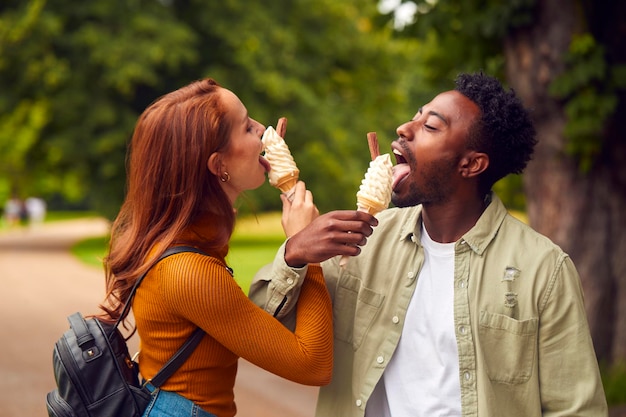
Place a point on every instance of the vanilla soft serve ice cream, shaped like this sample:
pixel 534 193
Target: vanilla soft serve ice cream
pixel 374 193
pixel 283 173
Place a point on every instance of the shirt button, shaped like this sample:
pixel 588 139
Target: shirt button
pixel 462 284
pixel 380 359
pixel 410 274
pixel 395 320
pixel 467 376
pixel 462 329
pixel 358 402
pixel 413 238
pixel 290 281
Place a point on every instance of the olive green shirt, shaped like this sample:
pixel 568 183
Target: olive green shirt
pixel 522 334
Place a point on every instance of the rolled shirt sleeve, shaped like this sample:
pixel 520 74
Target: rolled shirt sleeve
pixel 276 288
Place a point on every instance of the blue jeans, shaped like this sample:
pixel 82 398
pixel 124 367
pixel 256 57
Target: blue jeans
pixel 170 404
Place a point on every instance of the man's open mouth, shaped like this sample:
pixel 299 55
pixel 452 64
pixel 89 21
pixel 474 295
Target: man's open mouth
pixel 402 169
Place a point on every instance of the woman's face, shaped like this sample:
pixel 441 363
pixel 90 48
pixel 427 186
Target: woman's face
pixel 242 158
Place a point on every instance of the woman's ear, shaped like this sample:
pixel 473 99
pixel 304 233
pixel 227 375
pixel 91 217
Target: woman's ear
pixel 214 164
pixel 474 163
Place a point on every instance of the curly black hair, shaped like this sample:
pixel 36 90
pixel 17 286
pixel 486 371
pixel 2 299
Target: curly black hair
pixel 505 131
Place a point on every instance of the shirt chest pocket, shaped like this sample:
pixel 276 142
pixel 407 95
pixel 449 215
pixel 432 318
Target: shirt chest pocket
pixel 509 347
pixel 355 308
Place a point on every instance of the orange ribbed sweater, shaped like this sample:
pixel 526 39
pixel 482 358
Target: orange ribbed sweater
pixel 188 290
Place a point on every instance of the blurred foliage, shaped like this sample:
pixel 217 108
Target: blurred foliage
pixel 75 76
pixel 468 35
pixel 464 36
pixel 589 88
pixel 510 190
pixel 614 382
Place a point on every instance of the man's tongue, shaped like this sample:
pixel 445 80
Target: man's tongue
pixel 400 171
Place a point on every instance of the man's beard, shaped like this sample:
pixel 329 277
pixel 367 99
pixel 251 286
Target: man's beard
pixel 436 188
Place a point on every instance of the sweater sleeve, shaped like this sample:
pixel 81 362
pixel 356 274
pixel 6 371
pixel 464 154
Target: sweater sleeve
pixel 201 290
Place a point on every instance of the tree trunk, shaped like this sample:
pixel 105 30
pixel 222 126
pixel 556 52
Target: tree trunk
pixel 584 213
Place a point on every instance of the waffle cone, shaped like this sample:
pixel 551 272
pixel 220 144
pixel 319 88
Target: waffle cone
pixel 287 182
pixel 369 206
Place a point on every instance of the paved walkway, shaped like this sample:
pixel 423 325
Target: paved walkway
pixel 42 283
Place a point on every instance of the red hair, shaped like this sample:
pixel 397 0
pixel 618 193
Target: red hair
pixel 168 185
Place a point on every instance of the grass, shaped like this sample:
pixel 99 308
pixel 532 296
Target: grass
pixel 254 244
pixel 52 216
pixel 91 251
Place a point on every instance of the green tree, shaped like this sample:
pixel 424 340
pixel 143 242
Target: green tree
pixel 328 66
pixel 567 60
pixel 576 187
pixel 75 76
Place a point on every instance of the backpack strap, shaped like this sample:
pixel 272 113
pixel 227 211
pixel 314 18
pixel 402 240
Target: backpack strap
pixel 177 359
pixel 168 252
pixel 190 344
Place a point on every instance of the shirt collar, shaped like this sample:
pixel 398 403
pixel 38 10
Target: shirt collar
pixel 477 238
pixel 412 224
pixel 487 226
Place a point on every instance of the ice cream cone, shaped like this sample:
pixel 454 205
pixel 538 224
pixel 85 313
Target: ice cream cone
pixel 374 194
pixel 283 173
pixel 370 206
pixel 287 183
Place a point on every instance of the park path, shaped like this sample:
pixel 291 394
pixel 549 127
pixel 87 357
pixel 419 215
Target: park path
pixel 42 283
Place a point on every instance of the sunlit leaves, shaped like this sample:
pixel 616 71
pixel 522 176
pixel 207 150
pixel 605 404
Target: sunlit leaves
pixel 331 67
pixel 588 90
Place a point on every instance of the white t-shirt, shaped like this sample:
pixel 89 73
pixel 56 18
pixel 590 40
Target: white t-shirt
pixel 422 378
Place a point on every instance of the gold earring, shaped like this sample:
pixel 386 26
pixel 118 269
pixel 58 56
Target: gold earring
pixel 225 177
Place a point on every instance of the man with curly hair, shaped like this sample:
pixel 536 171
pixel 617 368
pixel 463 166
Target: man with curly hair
pixel 453 307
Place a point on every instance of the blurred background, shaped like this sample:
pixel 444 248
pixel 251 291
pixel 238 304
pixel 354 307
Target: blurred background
pixel 74 76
